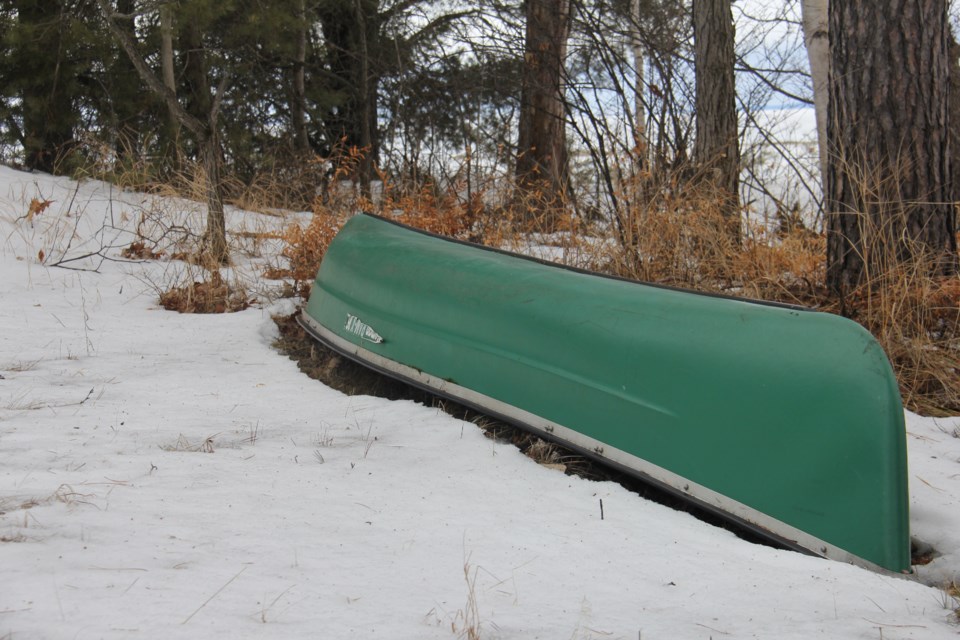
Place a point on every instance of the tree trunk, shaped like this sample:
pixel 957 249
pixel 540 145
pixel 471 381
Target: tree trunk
pixel 953 56
pixel 716 148
pixel 890 197
pixel 542 163
pixel 199 118
pixel 298 106
pixel 172 130
pixel 216 250
pixel 201 105
pixel 351 31
pixel 367 106
pixel 816 37
pixel 639 111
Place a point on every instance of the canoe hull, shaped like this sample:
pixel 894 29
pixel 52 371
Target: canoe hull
pixel 783 419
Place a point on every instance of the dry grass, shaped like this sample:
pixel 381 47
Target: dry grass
pixel 304 249
pixel 953 593
pixel 22 366
pixel 64 494
pixel 665 232
pixel 679 237
pixel 13 537
pixel 469 616
pixel 183 444
pixel 916 318
pixel 214 295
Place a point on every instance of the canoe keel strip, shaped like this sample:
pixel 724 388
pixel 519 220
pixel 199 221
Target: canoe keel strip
pixel 780 419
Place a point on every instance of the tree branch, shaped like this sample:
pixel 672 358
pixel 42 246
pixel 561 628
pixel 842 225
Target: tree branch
pixel 194 125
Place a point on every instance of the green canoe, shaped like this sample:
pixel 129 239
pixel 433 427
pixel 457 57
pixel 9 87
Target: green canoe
pixel 783 419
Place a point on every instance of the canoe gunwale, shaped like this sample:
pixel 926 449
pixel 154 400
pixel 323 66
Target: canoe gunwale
pixel 761 524
pixel 597 274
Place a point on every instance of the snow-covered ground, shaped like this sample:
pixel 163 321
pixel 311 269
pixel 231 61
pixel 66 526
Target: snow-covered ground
pixel 167 476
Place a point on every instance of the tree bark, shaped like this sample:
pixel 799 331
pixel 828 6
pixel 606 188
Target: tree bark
pixel 216 249
pixel 542 163
pixel 953 56
pixel 639 111
pixel 716 148
pixel 367 106
pixel 298 107
pixel 816 37
pixel 890 197
pixel 167 72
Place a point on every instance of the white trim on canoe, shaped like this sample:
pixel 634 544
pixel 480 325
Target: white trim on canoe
pixel 731 509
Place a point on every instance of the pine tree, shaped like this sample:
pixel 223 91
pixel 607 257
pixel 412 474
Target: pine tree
pixel 716 148
pixel 44 67
pixel 889 194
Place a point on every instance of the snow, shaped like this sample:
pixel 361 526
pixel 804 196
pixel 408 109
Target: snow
pixel 174 476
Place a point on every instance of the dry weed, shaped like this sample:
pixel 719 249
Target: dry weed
pixel 14 537
pixel 22 366
pixel 138 250
pixel 206 296
pixel 469 616
pixel 64 494
pixel 184 444
pixel 953 592
pixel 546 454
pixel 430 209
pixel 912 311
pixel 304 249
pixel 667 230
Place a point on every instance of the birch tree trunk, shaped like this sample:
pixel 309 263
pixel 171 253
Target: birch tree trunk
pixel 816 37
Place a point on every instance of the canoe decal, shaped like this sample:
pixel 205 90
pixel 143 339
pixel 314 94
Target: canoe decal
pixel 359 328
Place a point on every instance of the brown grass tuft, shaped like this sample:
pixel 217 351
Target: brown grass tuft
pixel 213 296
pixel 140 251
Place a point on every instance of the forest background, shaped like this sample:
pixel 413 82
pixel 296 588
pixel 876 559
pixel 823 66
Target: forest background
pixel 645 138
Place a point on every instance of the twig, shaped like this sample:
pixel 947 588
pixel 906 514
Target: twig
pixel 76 220
pixel 207 601
pixel 896 626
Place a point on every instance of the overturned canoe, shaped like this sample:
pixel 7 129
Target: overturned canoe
pixel 783 419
